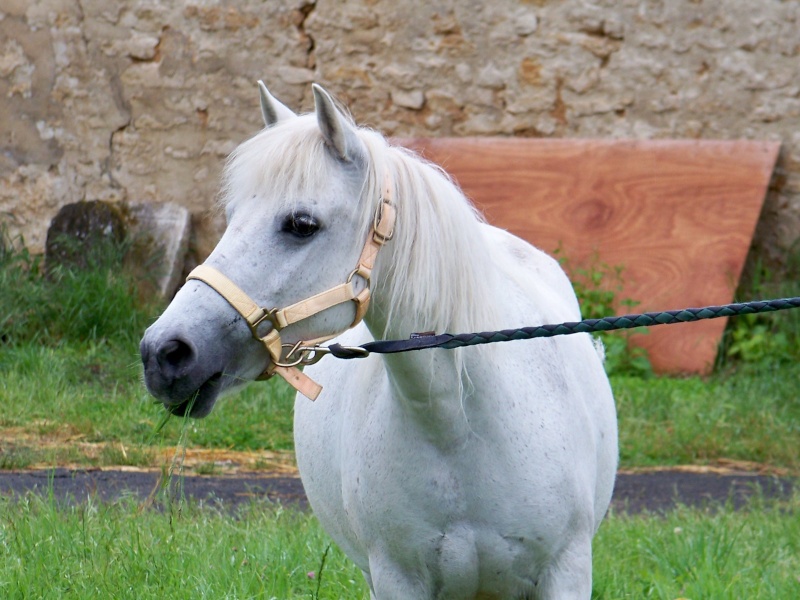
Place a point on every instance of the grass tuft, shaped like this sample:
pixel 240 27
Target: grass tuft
pixel 69 304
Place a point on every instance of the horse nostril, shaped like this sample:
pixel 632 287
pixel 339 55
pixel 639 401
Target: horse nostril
pixel 175 356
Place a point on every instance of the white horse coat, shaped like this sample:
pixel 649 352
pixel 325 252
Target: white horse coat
pixel 482 472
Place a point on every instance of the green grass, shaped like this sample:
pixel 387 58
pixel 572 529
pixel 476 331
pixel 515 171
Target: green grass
pixel 752 414
pixel 96 550
pixel 64 304
pixel 99 550
pixel 690 553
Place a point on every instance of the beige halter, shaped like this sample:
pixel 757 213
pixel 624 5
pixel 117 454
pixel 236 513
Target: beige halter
pixel 302 352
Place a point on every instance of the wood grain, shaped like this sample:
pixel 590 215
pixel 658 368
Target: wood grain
pixel 679 216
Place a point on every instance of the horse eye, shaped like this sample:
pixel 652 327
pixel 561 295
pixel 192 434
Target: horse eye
pixel 300 225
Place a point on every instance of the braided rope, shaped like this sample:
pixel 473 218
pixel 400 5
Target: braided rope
pixel 650 319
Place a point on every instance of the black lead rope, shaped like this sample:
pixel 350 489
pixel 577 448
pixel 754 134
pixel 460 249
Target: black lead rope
pixel 650 319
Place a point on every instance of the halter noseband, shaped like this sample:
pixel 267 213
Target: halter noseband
pixel 300 354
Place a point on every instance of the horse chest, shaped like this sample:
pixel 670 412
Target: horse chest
pixel 429 520
pixel 381 487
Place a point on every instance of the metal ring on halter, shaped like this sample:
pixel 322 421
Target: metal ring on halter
pixel 313 354
pixel 288 362
pixel 306 355
pixel 358 271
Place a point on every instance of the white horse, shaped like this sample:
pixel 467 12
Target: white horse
pixel 482 472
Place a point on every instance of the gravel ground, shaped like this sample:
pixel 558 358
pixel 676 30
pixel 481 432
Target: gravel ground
pixel 654 491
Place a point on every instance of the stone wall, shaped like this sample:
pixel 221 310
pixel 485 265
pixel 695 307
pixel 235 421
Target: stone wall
pixel 142 100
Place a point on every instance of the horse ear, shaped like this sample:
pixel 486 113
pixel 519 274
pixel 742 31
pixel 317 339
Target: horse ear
pixel 339 134
pixel 272 110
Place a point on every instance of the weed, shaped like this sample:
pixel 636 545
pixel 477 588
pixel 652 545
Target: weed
pixel 13 456
pixel 207 468
pixel 765 337
pixel 598 287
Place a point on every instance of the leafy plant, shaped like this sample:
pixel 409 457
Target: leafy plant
pixel 598 286
pixel 765 337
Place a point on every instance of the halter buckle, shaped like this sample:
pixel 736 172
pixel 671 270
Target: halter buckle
pixel 378 234
pixel 267 315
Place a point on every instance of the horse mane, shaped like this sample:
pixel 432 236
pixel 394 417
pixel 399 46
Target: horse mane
pixel 437 267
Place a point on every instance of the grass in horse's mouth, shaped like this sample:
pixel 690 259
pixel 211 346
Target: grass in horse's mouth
pixel 163 421
pixel 204 394
pixel 180 450
pixel 181 410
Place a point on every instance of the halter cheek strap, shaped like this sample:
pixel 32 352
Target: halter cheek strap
pixel 255 316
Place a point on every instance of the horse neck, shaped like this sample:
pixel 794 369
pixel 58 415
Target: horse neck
pixel 435 275
pixel 426 386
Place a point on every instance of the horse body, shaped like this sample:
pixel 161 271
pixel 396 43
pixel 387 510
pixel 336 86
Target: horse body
pixel 495 493
pixel 475 473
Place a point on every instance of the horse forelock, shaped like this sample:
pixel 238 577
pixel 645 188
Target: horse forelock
pixel 287 160
pixel 436 269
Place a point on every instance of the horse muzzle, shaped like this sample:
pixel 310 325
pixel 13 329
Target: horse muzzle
pixel 174 374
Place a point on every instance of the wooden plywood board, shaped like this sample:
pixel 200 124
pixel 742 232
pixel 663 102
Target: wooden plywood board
pixel 678 216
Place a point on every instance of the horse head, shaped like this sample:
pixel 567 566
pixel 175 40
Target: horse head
pixel 297 200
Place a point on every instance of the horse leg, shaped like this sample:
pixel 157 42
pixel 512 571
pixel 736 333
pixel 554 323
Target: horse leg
pixel 368 579
pixel 395 585
pixel 570 576
pixel 388 581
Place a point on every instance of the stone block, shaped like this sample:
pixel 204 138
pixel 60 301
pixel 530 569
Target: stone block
pixel 82 233
pixel 160 233
pixel 150 239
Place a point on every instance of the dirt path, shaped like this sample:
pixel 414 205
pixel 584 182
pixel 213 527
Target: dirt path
pixel 655 491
